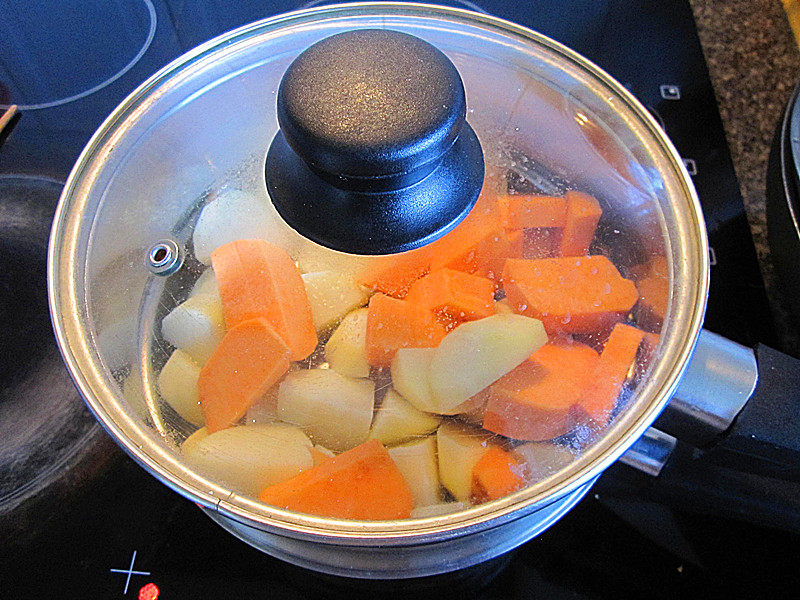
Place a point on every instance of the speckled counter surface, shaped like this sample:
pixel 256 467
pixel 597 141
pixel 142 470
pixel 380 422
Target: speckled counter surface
pixel 754 64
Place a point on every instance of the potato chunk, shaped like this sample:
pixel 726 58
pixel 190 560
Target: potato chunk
pixel 177 384
pixel 336 411
pixel 346 349
pixel 417 462
pixel 252 457
pixel 233 215
pixel 332 295
pixel 476 354
pixel 460 448
pixel 397 421
pixel 411 377
pixel 195 326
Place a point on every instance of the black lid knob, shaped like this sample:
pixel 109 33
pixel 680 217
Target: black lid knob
pixel 374 155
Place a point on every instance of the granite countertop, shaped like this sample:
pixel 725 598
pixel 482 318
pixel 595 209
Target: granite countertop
pixel 754 63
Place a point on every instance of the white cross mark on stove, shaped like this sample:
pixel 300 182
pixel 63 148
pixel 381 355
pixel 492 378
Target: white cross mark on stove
pixel 129 571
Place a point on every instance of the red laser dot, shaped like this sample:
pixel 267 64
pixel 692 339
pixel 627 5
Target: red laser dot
pixel 149 591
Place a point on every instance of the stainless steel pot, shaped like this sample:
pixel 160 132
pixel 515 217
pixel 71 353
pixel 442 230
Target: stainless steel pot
pixel 205 122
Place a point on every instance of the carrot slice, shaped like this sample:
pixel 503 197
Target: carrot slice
pixel 492 251
pixel 569 295
pixel 583 214
pixel 393 275
pixel 362 483
pixel 496 474
pixel 459 296
pixel 393 324
pixel 259 280
pixel 249 360
pixel 526 211
pixel 542 242
pixel 535 401
pixel 616 360
pixel 653 285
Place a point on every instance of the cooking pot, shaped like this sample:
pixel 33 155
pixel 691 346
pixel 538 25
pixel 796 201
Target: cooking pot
pixel 283 111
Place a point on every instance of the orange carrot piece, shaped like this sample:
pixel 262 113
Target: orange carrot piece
pixel 526 211
pixel 459 296
pixel 536 400
pixel 571 294
pixel 393 275
pixel 393 324
pixel 653 284
pixel 496 474
pixel 362 483
pixel 249 360
pixel 542 242
pixel 493 250
pixel 259 280
pixel 583 214
pixel 616 360
pixel 650 341
pixel 653 299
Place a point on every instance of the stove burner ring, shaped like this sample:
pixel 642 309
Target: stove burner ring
pixel 151 12
pixel 50 445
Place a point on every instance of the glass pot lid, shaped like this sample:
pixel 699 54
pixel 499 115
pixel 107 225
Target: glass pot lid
pixel 521 345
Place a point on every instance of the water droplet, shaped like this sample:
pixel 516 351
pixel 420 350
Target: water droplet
pixel 566 319
pixel 578 263
pixel 607 289
pixel 594 271
pixel 523 307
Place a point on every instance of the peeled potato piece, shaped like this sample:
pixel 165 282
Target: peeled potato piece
pixel 266 409
pixel 411 375
pixel 346 349
pixel 502 307
pixel 539 460
pixel 410 370
pixel 206 285
pixel 460 447
pixel 251 457
pixel 189 444
pixel 397 420
pixel 195 326
pixel 417 462
pixel 476 354
pixel 435 510
pixel 336 411
pixel 177 384
pixel 233 215
pixel 332 295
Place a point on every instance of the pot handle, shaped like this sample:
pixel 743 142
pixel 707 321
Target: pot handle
pixel 687 479
pixel 740 407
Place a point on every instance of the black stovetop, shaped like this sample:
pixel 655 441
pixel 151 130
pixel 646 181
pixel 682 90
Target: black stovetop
pixel 112 529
